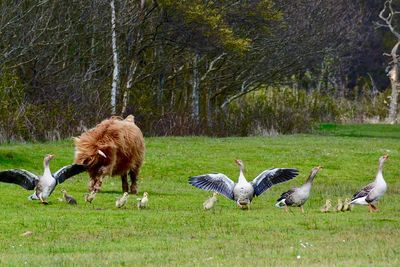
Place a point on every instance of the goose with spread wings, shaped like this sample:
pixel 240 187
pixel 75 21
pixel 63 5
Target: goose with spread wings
pixel 43 185
pixel 243 191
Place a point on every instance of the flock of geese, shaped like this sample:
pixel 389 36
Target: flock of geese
pixel 242 192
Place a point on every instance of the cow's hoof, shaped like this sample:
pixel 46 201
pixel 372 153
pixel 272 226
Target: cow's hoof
pixel 134 189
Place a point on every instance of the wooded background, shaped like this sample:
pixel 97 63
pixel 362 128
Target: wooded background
pixel 195 67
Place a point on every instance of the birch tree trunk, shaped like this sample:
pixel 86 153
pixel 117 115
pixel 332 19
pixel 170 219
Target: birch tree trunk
pixel 387 14
pixel 133 67
pixel 196 89
pixel 394 82
pixel 116 74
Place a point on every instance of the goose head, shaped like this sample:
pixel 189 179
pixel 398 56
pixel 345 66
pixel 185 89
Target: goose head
pixel 145 194
pixel 316 169
pixel 240 163
pixel 215 194
pixel 313 173
pixel 125 195
pixel 47 159
pixel 383 158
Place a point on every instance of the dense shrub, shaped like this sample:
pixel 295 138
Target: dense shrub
pixel 268 111
pixel 286 110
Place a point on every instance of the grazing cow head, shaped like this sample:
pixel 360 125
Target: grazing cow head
pixel 96 157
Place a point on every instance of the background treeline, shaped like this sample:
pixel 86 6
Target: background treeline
pixel 189 67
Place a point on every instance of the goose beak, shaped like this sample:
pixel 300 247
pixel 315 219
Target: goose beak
pixel 386 157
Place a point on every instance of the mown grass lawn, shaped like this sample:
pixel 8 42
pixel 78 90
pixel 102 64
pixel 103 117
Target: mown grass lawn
pixel 175 231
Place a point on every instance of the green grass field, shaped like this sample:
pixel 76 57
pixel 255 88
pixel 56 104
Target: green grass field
pixel 175 231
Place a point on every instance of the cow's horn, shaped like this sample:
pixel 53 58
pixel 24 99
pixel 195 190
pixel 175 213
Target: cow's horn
pixel 101 153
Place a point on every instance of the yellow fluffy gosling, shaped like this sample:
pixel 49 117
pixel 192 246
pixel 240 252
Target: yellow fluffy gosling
pixel 209 203
pixel 327 206
pixel 144 201
pixel 122 200
pixel 339 205
pixel 346 205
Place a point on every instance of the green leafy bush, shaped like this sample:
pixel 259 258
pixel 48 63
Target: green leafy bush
pixel 286 110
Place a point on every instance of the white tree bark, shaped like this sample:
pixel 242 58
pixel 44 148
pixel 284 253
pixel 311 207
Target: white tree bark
pixel 133 67
pixel 196 89
pixel 395 84
pixel 116 73
pixel 387 15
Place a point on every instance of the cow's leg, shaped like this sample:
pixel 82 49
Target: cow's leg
pixel 91 184
pixel 133 175
pixel 98 183
pixel 125 185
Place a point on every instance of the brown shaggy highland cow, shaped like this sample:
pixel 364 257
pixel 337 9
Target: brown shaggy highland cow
pixel 113 147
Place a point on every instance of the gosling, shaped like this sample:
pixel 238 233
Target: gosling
pixel 69 199
pixel 347 206
pixel 143 202
pixel 122 200
pixel 209 203
pixel 327 206
pixel 89 197
pixel 339 205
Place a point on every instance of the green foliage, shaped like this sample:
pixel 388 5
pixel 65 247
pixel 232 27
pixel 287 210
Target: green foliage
pixel 175 231
pixel 11 104
pixel 11 91
pixel 211 19
pixel 359 130
pixel 286 110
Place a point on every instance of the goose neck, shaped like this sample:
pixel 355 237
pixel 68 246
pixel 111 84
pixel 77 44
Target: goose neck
pixel 46 168
pixel 242 179
pixel 310 178
pixel 379 174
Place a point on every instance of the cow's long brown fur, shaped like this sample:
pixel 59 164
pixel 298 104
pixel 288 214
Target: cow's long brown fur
pixel 122 143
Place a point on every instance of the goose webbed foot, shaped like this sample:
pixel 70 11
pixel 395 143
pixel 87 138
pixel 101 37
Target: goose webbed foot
pixel 42 201
pixel 371 208
pixel 374 208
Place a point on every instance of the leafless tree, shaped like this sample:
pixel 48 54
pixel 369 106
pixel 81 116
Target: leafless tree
pixel 390 16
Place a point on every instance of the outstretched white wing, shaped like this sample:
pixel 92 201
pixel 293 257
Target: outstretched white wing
pixel 271 177
pixel 20 177
pixel 217 182
pixel 68 171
